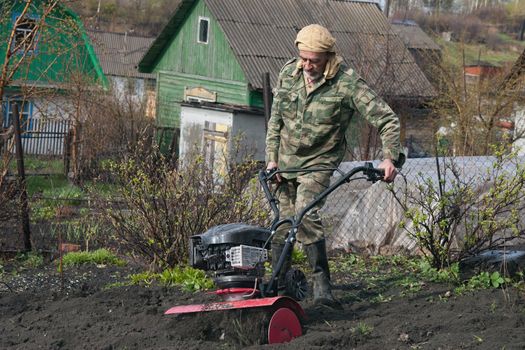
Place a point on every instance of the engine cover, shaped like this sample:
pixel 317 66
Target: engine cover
pixel 231 252
pixel 235 234
pixel 207 250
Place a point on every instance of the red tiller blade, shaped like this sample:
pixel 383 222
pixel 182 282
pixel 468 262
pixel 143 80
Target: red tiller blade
pixel 274 302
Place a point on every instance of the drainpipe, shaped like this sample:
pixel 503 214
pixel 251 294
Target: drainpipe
pixel 267 98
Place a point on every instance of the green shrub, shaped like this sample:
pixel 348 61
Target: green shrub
pixel 432 274
pixel 86 229
pixel 362 329
pixel 41 212
pixel 457 217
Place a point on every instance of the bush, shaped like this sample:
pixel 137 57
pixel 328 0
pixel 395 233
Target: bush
pixel 117 122
pixel 462 216
pixel 161 207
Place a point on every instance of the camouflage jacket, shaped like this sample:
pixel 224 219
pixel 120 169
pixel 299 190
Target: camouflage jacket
pixel 308 130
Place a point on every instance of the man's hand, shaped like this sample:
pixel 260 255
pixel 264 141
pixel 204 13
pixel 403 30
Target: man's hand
pixel 390 170
pixel 273 166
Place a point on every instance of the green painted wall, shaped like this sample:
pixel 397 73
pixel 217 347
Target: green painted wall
pixel 61 49
pixel 171 87
pixel 187 63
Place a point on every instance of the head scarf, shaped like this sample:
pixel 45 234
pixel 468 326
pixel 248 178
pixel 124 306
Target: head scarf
pixel 315 38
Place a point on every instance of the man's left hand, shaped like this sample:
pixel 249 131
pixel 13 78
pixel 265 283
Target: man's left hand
pixel 390 170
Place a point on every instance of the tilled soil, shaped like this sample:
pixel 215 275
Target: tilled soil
pixel 42 309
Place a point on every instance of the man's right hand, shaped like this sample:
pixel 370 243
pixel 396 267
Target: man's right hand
pixel 272 166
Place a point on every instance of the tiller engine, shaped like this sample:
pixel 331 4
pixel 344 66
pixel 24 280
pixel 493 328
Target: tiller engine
pixel 234 256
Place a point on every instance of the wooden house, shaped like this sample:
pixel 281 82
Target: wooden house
pixel 119 55
pixel 50 56
pixel 213 54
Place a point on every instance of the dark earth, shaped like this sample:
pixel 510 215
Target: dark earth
pixel 42 309
pixel 80 309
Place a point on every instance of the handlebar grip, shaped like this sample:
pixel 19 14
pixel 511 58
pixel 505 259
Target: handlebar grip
pixel 373 174
pixel 269 174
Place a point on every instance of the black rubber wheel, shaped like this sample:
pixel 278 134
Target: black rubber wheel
pixel 296 285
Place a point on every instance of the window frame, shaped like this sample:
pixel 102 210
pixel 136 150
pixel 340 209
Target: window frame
pixel 199 29
pixel 29 50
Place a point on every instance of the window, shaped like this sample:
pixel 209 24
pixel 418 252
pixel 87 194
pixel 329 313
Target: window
pixel 204 24
pixel 25 108
pixel 25 40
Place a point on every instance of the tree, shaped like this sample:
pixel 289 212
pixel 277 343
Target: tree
pixel 471 110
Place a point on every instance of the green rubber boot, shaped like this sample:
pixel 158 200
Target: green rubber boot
pixel 318 260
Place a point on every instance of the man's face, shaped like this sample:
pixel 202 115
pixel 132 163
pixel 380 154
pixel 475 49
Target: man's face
pixel 314 63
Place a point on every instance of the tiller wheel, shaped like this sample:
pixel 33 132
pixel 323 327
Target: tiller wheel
pixel 284 326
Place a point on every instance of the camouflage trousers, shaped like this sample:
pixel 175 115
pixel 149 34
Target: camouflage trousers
pixel 294 195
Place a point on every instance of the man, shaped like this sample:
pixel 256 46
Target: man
pixel 314 101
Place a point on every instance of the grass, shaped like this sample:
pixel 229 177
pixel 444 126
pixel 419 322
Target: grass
pixel 39 164
pixel 453 51
pixel 97 257
pixel 188 278
pixel 47 185
pixel 383 279
pixel 30 260
pixel 362 329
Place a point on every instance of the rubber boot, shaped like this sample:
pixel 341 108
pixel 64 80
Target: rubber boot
pixel 277 250
pixel 318 260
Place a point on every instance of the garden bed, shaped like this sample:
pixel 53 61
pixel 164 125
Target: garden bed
pixel 90 307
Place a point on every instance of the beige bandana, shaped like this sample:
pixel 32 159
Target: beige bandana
pixel 315 38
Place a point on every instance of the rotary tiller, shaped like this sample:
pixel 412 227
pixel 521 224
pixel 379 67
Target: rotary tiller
pixel 234 254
